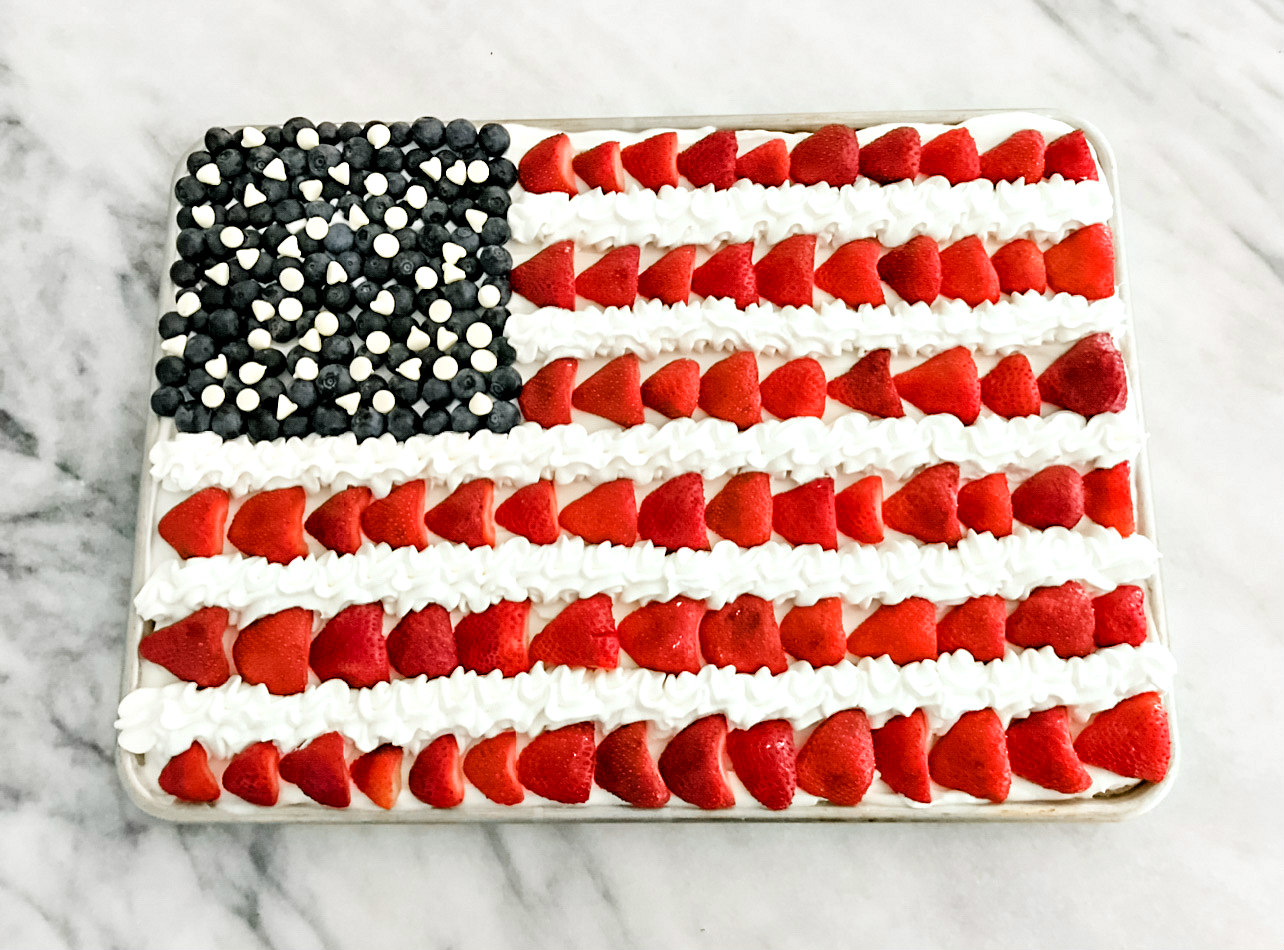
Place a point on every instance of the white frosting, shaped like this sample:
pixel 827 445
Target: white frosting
pixel 409 713
pixel 651 329
pixel 452 575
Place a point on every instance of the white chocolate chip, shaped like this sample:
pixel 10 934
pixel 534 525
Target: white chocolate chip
pixel 219 273
pixel 311 341
pixel 175 345
pixel 378 342
pixel 425 278
pixel 478 171
pixel 357 217
pixel 317 228
pixel 295 226
pixel 450 273
pixel 446 339
pixel 387 245
pixel 457 172
pixel 188 303
pixel 252 137
pixel 383 401
pixel 360 369
pixel 432 168
pixel 483 361
pixel 310 189
pixel 350 402
pixel 204 214
pixel 247 400
pixel 378 135
pixel 439 311
pixel 275 169
pixel 306 368
pixel 341 173
pixel 289 247
pixel 411 368
pixel 291 279
pixel 262 310
pixel 480 404
pixel 247 257
pixel 335 274
pixel 208 174
pixel 232 236
pixel 326 323
pixel 217 367
pixel 383 303
pixel 488 295
pixel 396 218
pixel 251 372
pixel 416 196
pixel 253 196
pixel 376 184
pixel 476 219
pixel 259 339
pixel 479 334
pixel 417 340
pixel 445 368
pixel 307 139
pixel 451 252
pixel 284 406
pixel 212 396
pixel 290 309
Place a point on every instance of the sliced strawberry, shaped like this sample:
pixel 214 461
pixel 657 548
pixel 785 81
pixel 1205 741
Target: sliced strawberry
pixel 1040 751
pixel 435 777
pixel 947 383
pixel 858 510
pixel 546 396
pixel 893 156
pixel 1120 617
pixel 188 778
pixel 868 386
pixel 1019 157
pixel 548 278
pixel 900 752
pixel 606 515
pixel 851 273
pixel 741 511
pixel 1019 266
pixel 1057 617
pixel 491 765
pixel 805 515
pixel 397 519
pixel 1070 157
pixel 710 161
pixel 1050 497
pixel 973 757
pixel 836 762
pixel 784 274
pixel 1107 498
pixel 614 392
pixel 953 155
pixel 764 759
pixel 1084 263
pixel 926 507
pixel 465 515
pixel 194 527
pixel 830 154
pixel 904 632
pixel 768 164
pixel 1088 378
pixel 378 775
pixel 664 636
pixel 547 166
pixel 320 769
pixel 1010 389
pixel 815 633
pixel 558 764
pixel 729 390
pixel 612 280
pixel 422 643
pixel 351 647
pixel 668 280
pixel 582 635
pixel 967 274
pixel 795 389
pixel 600 167
pixel 337 522
pixel 672 516
pixel 191 649
pixel 252 774
pixel 673 390
pixel 273 650
pixel 913 270
pixel 624 768
pixel 270 525
pixel 1131 739
pixel 977 625
pixel 728 273
pixel 531 512
pixel 692 764
pixel 654 161
pixel 986 505
pixel 743 635
pixel 494 639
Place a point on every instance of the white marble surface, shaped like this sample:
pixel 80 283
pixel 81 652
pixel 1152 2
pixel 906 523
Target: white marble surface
pixel 96 102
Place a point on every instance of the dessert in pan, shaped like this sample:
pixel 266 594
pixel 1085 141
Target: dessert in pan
pixel 500 469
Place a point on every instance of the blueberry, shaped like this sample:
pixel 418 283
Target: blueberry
pixel 319 209
pixel 315 266
pixel 241 294
pixel 463 354
pixel 505 383
pixel 494 200
pixel 368 322
pixel 196 160
pixel 190 244
pixel 337 349
pixel 399 327
pixel 358 153
pixel 192 417
pixel 200 348
pixel 295 161
pixel 260 157
pixel 350 130
pixel 397 354
pixel 363 240
pixel 459 209
pixel 334 381
pixel 198 379
pixel 403 298
pixel 460 133
pixel 166 400
pixel 329 420
pixel 435 211
pixel 502 417
pixel 462 419
pixel 406 390
pixel 400 133
pixel 224 324
pixel 505 355
pixel 327 132
pixel 184 273
pixel 282 330
pixel 350 261
pixel 339 239
pixel 377 206
pixel 390 159
pixel 436 421
pixel 365 293
pixel 337 297
pixel 272 359
pixel 447 190
pixel 321 159
pixel 189 191
pixel 505 290
pixel 406 263
pixel 217 139
pixel 402 423
pixel 275 233
pixel 227 421
pixel 466 238
pixel 290 128
pixel 493 138
pixel 238 215
pixel 467 382
pixel 368 423
pixel 495 260
pixel 295 425
pixel 432 237
pixel 502 173
pixel 220 194
pixel 462 294
pixel 171 325
pixel 428 132
pixel 495 231
pixel 287 210
pixel 237 352
pixel 436 393
pixel 495 318
pixel 268 389
pixel 274 190
pixel 212 296
pixel 303 393
pixel 261 215
pixel 263 426
pixel 377 269
pixel 275 139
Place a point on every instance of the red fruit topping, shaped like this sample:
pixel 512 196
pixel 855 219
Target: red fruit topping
pixel 768 164
pixel 273 650
pixel 194 527
pixel 710 161
pixel 967 274
pixel 351 647
pixel 951 154
pixel 764 759
pixel 1051 497
pixel 1010 389
pixel 729 390
pixel 668 280
pixel 743 635
pixel 191 649
pixel 600 167
pixel 546 396
pixel 654 161
pixel 851 273
pixel 672 516
pixel 1120 617
pixel 691 764
pixel 582 635
pixel 858 510
pixel 465 515
pixel 673 390
pixel 378 775
pixel 868 386
pixel 784 274
pixel 548 167
pixel 337 522
pixel 664 636
pixel 986 505
pixel 252 774
pixel 558 764
pixel 1040 751
pixel 531 512
pixel 548 278
pixel 320 770
pixel 397 519
pixel 1083 264
pixel 830 154
pixel 188 778
pixel 913 270
pixel 625 768
pixel 900 752
pixel 741 511
pixel 422 643
pixel 973 757
pixel 836 762
pixel 435 777
pixel 494 639
pixel 904 632
pixel 1018 157
pixel 1070 157
pixel 1132 739
pixel 1107 498
pixel 815 633
pixel 977 626
pixel 1019 265
pixel 614 392
pixel 606 515
pixel 270 525
pixel 1088 378
pixel 947 383
pixel 491 765
pixel 893 156
pixel 805 515
pixel 926 507
pixel 795 389
pixel 728 273
pixel 612 280
pixel 1057 617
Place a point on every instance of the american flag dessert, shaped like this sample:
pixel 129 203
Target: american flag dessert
pixel 704 470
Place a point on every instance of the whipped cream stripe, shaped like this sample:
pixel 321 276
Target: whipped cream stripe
pixel 457 577
pixel 650 328
pixel 410 713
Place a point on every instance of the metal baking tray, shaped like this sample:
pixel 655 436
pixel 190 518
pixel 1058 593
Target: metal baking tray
pixel 1106 807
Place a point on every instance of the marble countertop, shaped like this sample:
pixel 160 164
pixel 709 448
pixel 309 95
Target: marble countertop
pixel 97 102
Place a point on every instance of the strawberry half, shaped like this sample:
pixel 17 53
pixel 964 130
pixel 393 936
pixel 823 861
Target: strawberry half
pixel 913 270
pixel 548 278
pixel 1083 264
pixel 1019 157
pixel 320 770
pixel 691 764
pixel 558 764
pixel 191 649
pixel 973 757
pixel 491 765
pixel 582 635
pixel 851 273
pixel 270 525
pixel 672 516
pixel 547 166
pixel 967 274
pixel 784 274
pixel 977 625
pixel 795 389
pixel 194 527
pixel 768 164
pixel 624 768
pixel 836 762
pixel 494 639
pixel 612 280
pixel 435 777
pixel 422 644
pixel 1088 378
pixel 926 507
pixel 188 778
pixel 654 161
pixel 1070 157
pixel 729 390
pixel 1131 739
pixel 351 647
pixel 378 775
pixel 830 154
pixel 664 636
pixel 1050 497
pixel 1057 617
pixel 1107 498
pixel 900 752
pixel 947 383
pixel 764 759
pixel 1120 617
pixel 673 390
pixel 904 632
pixel 728 273
pixel 1040 751
pixel 546 396
pixel 253 775
pixel 805 515
pixel 531 512
pixel 952 155
pixel 986 505
pixel 743 635
pixel 868 386
pixel 337 522
pixel 1019 266
pixel 668 280
pixel 741 511
pixel 464 516
pixel 606 515
pixel 710 161
pixel 600 167
pixel 893 156
pixel 397 519
pixel 815 633
pixel 1010 389
pixel 273 650
pixel 858 510
pixel 614 392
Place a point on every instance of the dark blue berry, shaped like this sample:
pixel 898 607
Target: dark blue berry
pixel 184 273
pixel 376 269
pixel 224 324
pixel 339 239
pixel 368 423
pixel 217 139
pixel 462 294
pixel 190 244
pixel 406 390
pixel 493 138
pixel 295 425
pixel 192 417
pixel 350 130
pixel 428 132
pixel 494 200
pixel 227 421
pixel 368 322
pixel 198 379
pixel 436 211
pixel 327 132
pixel 334 381
pixel 505 383
pixel 462 419
pixel 436 392
pixel 268 389
pixel 337 297
pixel 495 261
pixel 369 386
pixel 199 349
pixel 402 423
pixel 399 133
pixel 502 417
pixel 329 420
pixel 241 294
pixel 295 161
pixel 196 160
pixel 460 133
pixel 466 383
pixel 172 324
pixel 358 153
pixel 502 173
pixel 337 349
pixel 435 421
pixel 237 352
pixel 189 191
pixel 287 210
pixel 166 400
pixel 263 426
pixel 495 231
pixel 303 393
pixel 272 359
pixel 259 158
pixel 390 159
